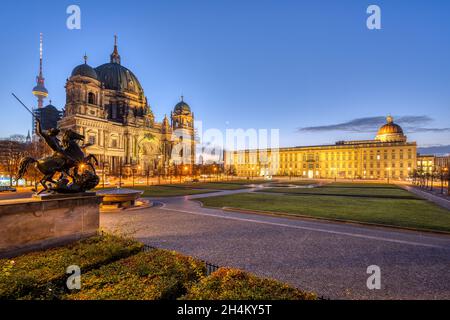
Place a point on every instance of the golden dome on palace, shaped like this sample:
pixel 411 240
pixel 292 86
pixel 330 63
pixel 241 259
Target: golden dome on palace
pixel 390 132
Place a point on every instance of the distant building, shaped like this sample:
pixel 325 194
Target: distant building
pixel 427 163
pixel 442 162
pixel 388 155
pixel 48 116
pixel 11 151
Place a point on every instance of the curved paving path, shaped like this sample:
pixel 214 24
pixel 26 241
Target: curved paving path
pixel 328 258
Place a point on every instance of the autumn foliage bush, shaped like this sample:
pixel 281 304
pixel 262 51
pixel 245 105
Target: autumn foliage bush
pixel 152 275
pixel 42 274
pixel 118 268
pixel 234 284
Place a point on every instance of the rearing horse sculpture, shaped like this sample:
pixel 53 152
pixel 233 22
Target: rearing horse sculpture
pixel 67 155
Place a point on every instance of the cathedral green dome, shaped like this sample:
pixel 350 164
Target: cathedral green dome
pixel 116 77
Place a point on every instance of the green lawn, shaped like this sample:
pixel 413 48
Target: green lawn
pixel 181 189
pixel 215 185
pixel 300 182
pixel 357 191
pixel 168 191
pixel 245 181
pixel 371 185
pixel 208 185
pixel 418 214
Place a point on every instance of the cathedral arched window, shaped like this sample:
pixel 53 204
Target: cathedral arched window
pixel 91 98
pixel 114 111
pixel 92 139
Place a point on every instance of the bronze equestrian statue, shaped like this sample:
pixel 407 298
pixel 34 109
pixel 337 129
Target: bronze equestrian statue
pixel 67 158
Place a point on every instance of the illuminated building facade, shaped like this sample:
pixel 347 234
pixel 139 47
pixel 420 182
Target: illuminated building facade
pixel 388 155
pixel 108 106
pixel 432 164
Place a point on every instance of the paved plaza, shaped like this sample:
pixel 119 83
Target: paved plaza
pixel 328 258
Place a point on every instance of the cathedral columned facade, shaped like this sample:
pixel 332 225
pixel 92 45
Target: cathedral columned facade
pixel 389 155
pixel 108 106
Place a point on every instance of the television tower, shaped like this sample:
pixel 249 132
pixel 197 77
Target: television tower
pixel 39 91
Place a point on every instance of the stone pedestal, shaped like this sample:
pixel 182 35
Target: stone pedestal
pixel 46 221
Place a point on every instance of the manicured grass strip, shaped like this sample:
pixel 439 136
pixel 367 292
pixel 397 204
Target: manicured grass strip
pixel 233 284
pixel 244 181
pixel 169 191
pixel 410 213
pixel 208 185
pixel 343 191
pixel 152 275
pixel 42 275
pixel 297 182
pixel 370 185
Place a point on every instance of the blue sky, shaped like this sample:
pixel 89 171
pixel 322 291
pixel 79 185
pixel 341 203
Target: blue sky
pixel 248 64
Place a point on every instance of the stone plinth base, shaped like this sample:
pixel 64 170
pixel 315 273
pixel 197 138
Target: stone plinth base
pixel 42 222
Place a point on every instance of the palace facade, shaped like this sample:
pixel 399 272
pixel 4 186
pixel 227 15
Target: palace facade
pixel 108 106
pixel 388 155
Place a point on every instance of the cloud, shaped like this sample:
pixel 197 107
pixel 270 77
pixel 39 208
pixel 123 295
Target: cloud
pixel 437 150
pixel 414 130
pixel 371 124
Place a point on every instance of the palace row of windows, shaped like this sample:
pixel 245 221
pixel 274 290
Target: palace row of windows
pixel 329 156
pixel 372 174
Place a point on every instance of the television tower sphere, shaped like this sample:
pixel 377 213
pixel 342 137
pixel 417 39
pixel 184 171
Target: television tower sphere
pixel 39 91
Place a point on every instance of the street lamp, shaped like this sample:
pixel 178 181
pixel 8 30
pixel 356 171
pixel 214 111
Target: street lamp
pixel 388 174
pixel 448 180
pixel 103 173
pixel 185 170
pixel 139 172
pixel 120 173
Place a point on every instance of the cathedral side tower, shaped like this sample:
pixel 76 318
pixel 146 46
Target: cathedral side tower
pixel 84 94
pixel 183 128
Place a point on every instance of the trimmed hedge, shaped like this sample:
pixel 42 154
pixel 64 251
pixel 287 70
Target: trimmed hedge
pixel 42 274
pixel 152 275
pixel 118 268
pixel 234 284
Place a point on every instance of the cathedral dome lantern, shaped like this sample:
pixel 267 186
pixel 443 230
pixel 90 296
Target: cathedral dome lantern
pixel 390 132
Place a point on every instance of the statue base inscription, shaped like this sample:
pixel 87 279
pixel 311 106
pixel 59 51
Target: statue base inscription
pixel 47 220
